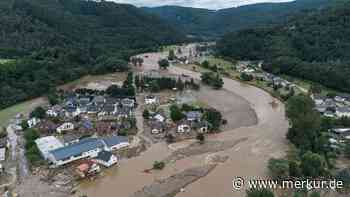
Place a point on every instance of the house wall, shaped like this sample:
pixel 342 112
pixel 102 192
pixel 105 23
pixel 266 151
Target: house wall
pixel 92 153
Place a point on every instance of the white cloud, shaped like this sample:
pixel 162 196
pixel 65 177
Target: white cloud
pixel 209 4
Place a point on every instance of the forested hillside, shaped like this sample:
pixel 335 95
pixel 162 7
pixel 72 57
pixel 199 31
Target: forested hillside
pixel 314 46
pixel 202 22
pixel 54 41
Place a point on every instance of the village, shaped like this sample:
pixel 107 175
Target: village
pixel 85 130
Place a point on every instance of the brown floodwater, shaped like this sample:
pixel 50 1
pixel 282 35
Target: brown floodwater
pixel 254 118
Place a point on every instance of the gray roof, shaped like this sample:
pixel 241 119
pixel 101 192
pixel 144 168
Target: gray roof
pixel 104 156
pixel 108 108
pixel 114 140
pixel 193 115
pixel 78 148
pixel 343 109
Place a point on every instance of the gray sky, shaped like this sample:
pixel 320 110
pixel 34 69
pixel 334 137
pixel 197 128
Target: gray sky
pixel 209 4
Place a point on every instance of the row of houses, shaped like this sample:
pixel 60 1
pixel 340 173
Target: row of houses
pixel 98 105
pixel 59 154
pixel 339 106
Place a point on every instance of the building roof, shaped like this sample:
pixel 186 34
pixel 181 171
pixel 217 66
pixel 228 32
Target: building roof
pixel 193 115
pixel 78 148
pixel 343 109
pixel 2 154
pixel 47 144
pixel 127 101
pixel 99 99
pixel 114 140
pixel 104 156
pixel 108 108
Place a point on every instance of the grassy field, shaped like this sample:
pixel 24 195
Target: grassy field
pixel 3 61
pixel 7 114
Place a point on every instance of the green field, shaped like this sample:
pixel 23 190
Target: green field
pixel 7 114
pixel 3 61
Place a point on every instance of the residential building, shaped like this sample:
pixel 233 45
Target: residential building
pixel 128 102
pixel 87 168
pixel 86 148
pixel 184 127
pixel 33 122
pixel 193 116
pixel 159 118
pixel 47 144
pixel 2 154
pixel 343 112
pixel 106 158
pixel 67 126
pixel 156 127
pixel 150 100
pixel 318 99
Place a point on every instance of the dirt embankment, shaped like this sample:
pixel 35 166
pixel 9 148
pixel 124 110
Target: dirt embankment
pixel 174 184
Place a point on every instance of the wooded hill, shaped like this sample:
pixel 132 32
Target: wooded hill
pixel 313 46
pixel 210 23
pixel 56 41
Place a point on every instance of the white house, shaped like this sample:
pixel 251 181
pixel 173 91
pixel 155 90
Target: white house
pixel 150 99
pixel 67 126
pixel 115 142
pixel 183 128
pixel 128 102
pixel 106 159
pixel 47 144
pixel 2 154
pixel 339 99
pixel 33 122
pixel 159 118
pixel 343 112
pixel 51 113
pixel 319 100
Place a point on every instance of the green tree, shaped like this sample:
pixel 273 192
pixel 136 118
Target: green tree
pixel 171 55
pixel 315 194
pixel 260 193
pixel 158 165
pixel 279 168
pixel 200 137
pixel 176 113
pixel 163 64
pixel 312 165
pixel 146 114
pixel 38 112
pixel 214 118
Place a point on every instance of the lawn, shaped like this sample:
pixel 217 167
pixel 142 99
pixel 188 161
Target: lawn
pixel 7 114
pixel 4 61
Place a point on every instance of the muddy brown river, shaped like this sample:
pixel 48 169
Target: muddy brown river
pixel 251 117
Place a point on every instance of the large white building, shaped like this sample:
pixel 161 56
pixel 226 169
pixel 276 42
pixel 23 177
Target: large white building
pixel 86 148
pixel 47 144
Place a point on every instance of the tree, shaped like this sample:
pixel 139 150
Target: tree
pixel 179 84
pixel 200 137
pixel 214 118
pixel 163 64
pixel 315 194
pixel 205 64
pixel 279 168
pixel 260 193
pixel 246 77
pixel 212 79
pixel 294 169
pixel 175 113
pixel 172 55
pixel 38 112
pixel 312 165
pixel 158 165
pixel 146 114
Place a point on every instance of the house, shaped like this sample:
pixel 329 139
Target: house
pixel 321 108
pixel 184 127
pixel 124 112
pixel 150 100
pixel 156 127
pixel 52 113
pixel 2 154
pixel 318 99
pixel 339 99
pixel 343 112
pixel 47 144
pixel 87 169
pixel 330 103
pixel 47 126
pixel 92 109
pixel 84 101
pixel 112 101
pixel 202 126
pixel 193 116
pixel 67 126
pixel 99 100
pixel 106 159
pixel 85 148
pixel 128 102
pixel 115 142
pixel 341 130
pixel 329 114
pixel 108 109
pixel 4 143
pixel 159 118
pixel 33 122
pixel 71 111
pixel 70 139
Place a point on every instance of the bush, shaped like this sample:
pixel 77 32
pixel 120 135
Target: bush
pixel 175 113
pixel 145 114
pixel 158 165
pixel 260 193
pixel 279 168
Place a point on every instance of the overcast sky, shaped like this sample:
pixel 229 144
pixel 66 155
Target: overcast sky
pixel 209 4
